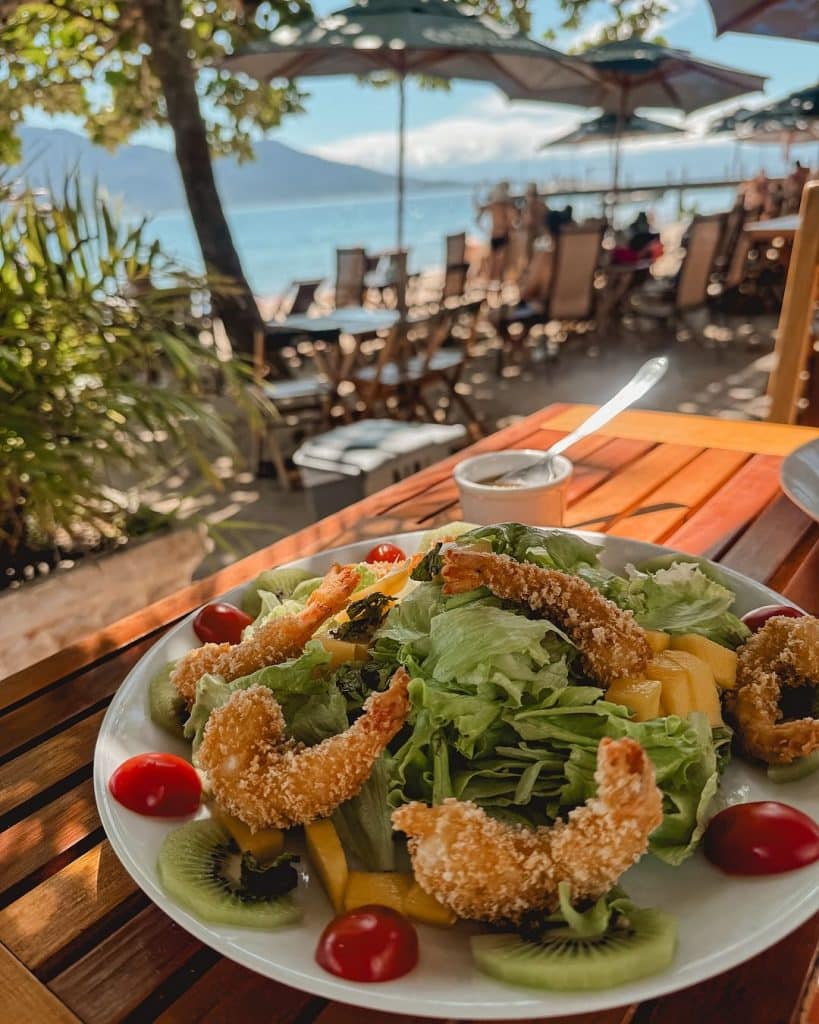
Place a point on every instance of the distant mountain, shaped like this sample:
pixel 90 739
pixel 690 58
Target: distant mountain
pixel 147 179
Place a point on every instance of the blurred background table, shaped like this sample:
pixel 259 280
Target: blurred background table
pixel 80 941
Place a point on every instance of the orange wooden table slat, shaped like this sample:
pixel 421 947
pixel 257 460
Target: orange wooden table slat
pixel 69 911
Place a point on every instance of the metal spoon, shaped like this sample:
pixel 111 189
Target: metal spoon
pixel 543 470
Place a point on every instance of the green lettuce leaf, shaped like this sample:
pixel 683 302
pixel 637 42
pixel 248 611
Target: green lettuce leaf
pixel 363 823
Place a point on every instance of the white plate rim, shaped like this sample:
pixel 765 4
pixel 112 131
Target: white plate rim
pixel 786 478
pixel 529 1003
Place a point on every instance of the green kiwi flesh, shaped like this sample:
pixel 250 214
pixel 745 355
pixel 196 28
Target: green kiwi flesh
pixel 168 709
pixel 567 963
pixel 801 768
pixel 194 865
pixel 281 582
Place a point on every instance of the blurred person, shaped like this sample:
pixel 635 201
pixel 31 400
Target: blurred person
pixel 533 217
pixel 793 187
pixel 755 193
pixel 500 207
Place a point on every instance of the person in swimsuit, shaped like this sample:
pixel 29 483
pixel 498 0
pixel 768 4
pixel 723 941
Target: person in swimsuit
pixel 502 214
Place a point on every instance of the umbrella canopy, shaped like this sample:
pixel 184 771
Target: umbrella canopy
pixel 788 121
pixel 791 19
pixel 631 73
pixel 429 37
pixel 608 126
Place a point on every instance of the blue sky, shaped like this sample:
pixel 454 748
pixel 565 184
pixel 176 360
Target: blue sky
pixel 474 125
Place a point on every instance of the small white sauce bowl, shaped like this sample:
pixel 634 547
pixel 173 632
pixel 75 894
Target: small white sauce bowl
pixel 538 505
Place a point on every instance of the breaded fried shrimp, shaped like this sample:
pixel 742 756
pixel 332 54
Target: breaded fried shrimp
pixel 270 782
pixel 612 644
pixel 486 870
pixel 785 652
pixel 273 642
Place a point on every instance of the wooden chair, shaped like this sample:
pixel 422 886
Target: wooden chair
pixel 455 250
pixel 795 332
pixel 731 234
pixel 406 367
pixel 389 272
pixel 351 266
pixel 672 301
pixel 308 398
pixel 561 289
pixel 300 297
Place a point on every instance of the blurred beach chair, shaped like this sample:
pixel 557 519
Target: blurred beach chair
pixel 672 300
pixel 793 387
pixel 731 234
pixel 456 250
pixel 412 360
pixel 299 298
pixel 303 404
pixel 559 287
pixel 351 266
pixel 386 277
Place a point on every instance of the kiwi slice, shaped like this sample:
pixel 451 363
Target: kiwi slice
pixel 168 709
pixel 281 582
pixel 801 768
pixel 200 867
pixel 640 944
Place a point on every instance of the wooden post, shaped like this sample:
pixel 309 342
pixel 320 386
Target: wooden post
pixel 793 336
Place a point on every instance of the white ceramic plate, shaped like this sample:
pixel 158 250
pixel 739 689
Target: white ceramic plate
pixel 722 920
pixel 800 478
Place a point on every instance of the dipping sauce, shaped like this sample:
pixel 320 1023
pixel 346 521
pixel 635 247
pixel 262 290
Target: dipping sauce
pixel 761 838
pixel 370 943
pixel 492 481
pixel 157 785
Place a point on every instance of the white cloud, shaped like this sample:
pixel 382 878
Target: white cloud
pixel 490 129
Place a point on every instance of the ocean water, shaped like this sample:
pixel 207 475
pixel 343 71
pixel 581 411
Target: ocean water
pixel 280 243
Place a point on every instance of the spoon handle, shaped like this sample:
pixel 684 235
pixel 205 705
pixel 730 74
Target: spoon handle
pixel 642 381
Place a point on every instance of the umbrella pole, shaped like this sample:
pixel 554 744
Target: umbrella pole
pixel 402 280
pixel 618 132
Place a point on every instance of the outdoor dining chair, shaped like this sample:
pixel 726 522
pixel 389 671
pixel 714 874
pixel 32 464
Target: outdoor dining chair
pixel 299 298
pixel 672 300
pixel 795 371
pixel 456 250
pixel 351 266
pixel 564 290
pixel 412 361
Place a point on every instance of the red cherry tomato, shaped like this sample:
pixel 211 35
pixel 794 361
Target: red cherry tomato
pixel 756 619
pixel 369 943
pixel 762 838
pixel 158 785
pixel 386 553
pixel 219 623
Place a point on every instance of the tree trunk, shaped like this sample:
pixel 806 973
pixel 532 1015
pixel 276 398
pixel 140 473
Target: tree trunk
pixel 232 298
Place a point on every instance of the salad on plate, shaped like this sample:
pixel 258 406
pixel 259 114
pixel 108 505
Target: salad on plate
pixel 493 729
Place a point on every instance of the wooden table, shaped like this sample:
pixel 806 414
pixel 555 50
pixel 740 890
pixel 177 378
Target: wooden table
pixel 79 940
pixel 776 227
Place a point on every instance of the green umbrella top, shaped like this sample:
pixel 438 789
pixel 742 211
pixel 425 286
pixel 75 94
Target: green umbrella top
pixel 429 37
pixel 632 73
pixel 608 126
pixel 792 119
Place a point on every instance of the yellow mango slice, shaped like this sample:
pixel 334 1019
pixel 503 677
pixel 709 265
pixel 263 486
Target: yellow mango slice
pixel 675 698
pixel 386 888
pixel 327 856
pixel 391 584
pixel 657 640
pixel 265 845
pixel 642 696
pixel 722 661
pixel 342 651
pixel 701 685
pixel 420 906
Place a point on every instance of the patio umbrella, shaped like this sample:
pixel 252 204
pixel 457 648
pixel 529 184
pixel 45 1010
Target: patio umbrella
pixel 788 121
pixel 632 73
pixel 610 126
pixel 792 19
pixel 429 37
